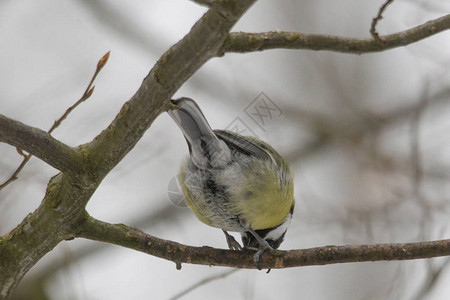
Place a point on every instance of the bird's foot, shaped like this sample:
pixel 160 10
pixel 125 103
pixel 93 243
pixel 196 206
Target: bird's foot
pixel 263 246
pixel 232 243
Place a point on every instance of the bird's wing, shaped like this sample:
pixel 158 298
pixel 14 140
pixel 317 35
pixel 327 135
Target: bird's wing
pixel 246 145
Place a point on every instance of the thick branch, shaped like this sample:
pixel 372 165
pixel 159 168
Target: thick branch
pixel 248 42
pixel 182 60
pixel 56 219
pixel 135 239
pixel 40 144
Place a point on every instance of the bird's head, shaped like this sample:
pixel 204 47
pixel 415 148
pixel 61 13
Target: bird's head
pixel 274 236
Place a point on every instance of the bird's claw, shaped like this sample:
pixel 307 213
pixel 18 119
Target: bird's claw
pixel 261 249
pixel 232 243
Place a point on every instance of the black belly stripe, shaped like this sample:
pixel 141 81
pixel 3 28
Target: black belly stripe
pixel 214 189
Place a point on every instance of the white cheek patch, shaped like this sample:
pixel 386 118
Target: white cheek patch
pixel 278 232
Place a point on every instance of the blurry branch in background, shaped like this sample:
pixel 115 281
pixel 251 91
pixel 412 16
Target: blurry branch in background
pixel 431 279
pixel 354 133
pixel 326 129
pixel 417 163
pixel 87 93
pixel 126 28
pixel 433 272
pixel 373 25
pixel 311 148
pixel 203 282
pixel 243 42
pixel 117 21
pixel 132 238
pixel 431 6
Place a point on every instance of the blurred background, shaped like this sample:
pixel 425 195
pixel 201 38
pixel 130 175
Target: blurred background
pixel 368 138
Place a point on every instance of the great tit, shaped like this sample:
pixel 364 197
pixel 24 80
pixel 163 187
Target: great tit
pixel 233 182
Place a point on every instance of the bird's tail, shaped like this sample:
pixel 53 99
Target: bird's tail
pixel 206 149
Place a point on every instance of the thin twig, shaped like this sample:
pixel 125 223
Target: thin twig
pixel 13 177
pixel 21 152
pixel 203 282
pixel 373 29
pixel 87 93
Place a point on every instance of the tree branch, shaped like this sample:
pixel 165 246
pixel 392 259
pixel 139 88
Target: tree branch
pixel 373 25
pixel 161 217
pixel 249 42
pixel 87 93
pixel 202 283
pixel 62 212
pixel 14 175
pixel 180 62
pixel 41 144
pixel 129 237
pixel 56 219
pixel 62 215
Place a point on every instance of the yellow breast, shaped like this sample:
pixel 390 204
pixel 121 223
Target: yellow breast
pixel 263 202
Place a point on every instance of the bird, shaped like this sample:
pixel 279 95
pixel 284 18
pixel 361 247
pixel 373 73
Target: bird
pixel 232 182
